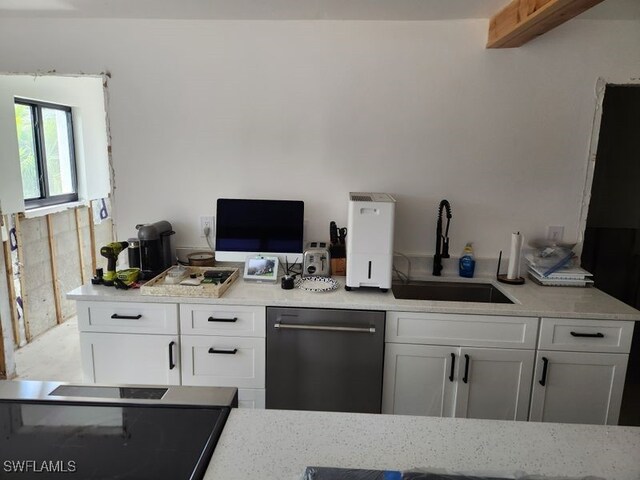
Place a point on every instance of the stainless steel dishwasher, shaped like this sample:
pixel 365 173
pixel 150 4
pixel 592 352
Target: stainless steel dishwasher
pixel 321 359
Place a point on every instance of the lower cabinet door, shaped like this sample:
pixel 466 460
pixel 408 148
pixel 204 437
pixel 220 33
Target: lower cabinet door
pixel 419 379
pixel 571 387
pixel 494 383
pixel 130 358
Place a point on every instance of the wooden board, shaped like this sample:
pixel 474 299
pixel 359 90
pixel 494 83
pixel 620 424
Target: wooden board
pixel 157 285
pixel 12 288
pixel 54 270
pixel 524 20
pixel 24 293
pixel 76 214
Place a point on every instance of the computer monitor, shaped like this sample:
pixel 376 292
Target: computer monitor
pixel 252 227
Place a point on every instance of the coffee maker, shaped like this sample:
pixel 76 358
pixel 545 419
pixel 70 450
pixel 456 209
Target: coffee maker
pixel 155 248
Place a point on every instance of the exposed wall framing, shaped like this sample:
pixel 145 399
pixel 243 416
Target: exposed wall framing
pixel 45 257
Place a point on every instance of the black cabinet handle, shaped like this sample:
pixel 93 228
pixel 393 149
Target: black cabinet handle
pixel 172 365
pixel 587 335
pixel 127 317
pixel 227 352
pixel 230 320
pixel 465 379
pixel 545 364
pixel 453 365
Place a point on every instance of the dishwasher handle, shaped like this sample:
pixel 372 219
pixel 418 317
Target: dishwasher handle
pixel 327 328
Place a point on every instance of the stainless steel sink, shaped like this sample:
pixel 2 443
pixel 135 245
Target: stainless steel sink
pixel 449 292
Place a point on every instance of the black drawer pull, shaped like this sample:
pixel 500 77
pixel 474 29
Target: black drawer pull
pixel 545 364
pixel 587 335
pixel 229 320
pixel 453 366
pixel 227 352
pixel 127 317
pixel 465 379
pixel 172 364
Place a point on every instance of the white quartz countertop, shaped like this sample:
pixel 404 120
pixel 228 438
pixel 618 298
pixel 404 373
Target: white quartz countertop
pixel 277 444
pixel 530 300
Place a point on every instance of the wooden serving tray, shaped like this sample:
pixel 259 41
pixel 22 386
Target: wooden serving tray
pixel 157 286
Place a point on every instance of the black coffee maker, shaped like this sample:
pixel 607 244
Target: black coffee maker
pixel 155 248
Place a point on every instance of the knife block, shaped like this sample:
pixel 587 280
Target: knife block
pixel 338 260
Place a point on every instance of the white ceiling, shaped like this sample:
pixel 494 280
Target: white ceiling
pixel 287 9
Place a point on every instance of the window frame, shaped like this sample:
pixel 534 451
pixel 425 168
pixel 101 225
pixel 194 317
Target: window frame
pixel 46 199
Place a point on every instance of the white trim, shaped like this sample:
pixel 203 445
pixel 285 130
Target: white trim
pixel 42 211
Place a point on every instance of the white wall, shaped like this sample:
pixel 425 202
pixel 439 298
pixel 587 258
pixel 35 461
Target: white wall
pixel 86 97
pixel 312 110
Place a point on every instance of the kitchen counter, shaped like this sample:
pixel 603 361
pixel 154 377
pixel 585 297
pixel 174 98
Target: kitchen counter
pixel 276 444
pixel 530 300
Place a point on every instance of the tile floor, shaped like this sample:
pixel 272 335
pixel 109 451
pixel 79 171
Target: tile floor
pixel 54 355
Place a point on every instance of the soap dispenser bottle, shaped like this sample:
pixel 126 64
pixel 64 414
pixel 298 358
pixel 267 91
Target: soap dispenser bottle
pixel 467 263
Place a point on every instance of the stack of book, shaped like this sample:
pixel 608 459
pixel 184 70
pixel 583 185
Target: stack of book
pixel 562 273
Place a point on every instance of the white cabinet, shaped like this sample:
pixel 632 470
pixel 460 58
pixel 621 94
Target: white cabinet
pixel 455 329
pixel 580 371
pixel 213 360
pixel 128 317
pixel 416 380
pixel 130 358
pixel 476 366
pixel 129 342
pixel 224 346
pixel 434 380
pixel 494 383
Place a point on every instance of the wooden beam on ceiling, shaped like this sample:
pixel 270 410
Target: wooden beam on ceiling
pixel 524 20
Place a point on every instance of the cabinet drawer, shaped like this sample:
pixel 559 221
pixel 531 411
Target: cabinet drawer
pixel 463 330
pixel 238 321
pixel 223 361
pixel 126 317
pixel 586 335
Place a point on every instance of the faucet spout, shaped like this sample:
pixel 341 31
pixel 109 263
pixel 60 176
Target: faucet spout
pixel 442 240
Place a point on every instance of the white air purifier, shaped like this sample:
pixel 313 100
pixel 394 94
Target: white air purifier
pixel 370 240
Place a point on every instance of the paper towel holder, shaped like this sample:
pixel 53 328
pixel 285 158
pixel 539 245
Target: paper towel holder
pixel 501 277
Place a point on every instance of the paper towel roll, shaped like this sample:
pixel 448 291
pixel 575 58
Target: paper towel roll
pixel 513 271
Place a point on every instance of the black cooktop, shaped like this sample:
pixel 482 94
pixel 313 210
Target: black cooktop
pixel 91 441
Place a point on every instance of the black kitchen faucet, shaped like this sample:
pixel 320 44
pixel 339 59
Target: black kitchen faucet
pixel 442 241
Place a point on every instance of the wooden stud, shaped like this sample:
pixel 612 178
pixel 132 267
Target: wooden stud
pixel 92 239
pixel 12 289
pixel 54 270
pixel 76 212
pixel 24 293
pixel 523 20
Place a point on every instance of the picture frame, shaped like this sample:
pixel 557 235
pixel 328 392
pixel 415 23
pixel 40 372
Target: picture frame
pixel 261 268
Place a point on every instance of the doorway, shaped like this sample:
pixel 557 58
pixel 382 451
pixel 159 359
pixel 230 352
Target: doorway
pixel 611 248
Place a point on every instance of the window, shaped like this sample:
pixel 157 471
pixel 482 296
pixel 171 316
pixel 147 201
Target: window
pixel 47 160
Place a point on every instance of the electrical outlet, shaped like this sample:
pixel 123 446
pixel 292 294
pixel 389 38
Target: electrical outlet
pixel 206 221
pixel 555 233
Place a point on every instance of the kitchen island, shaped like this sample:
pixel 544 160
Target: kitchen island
pixel 277 444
